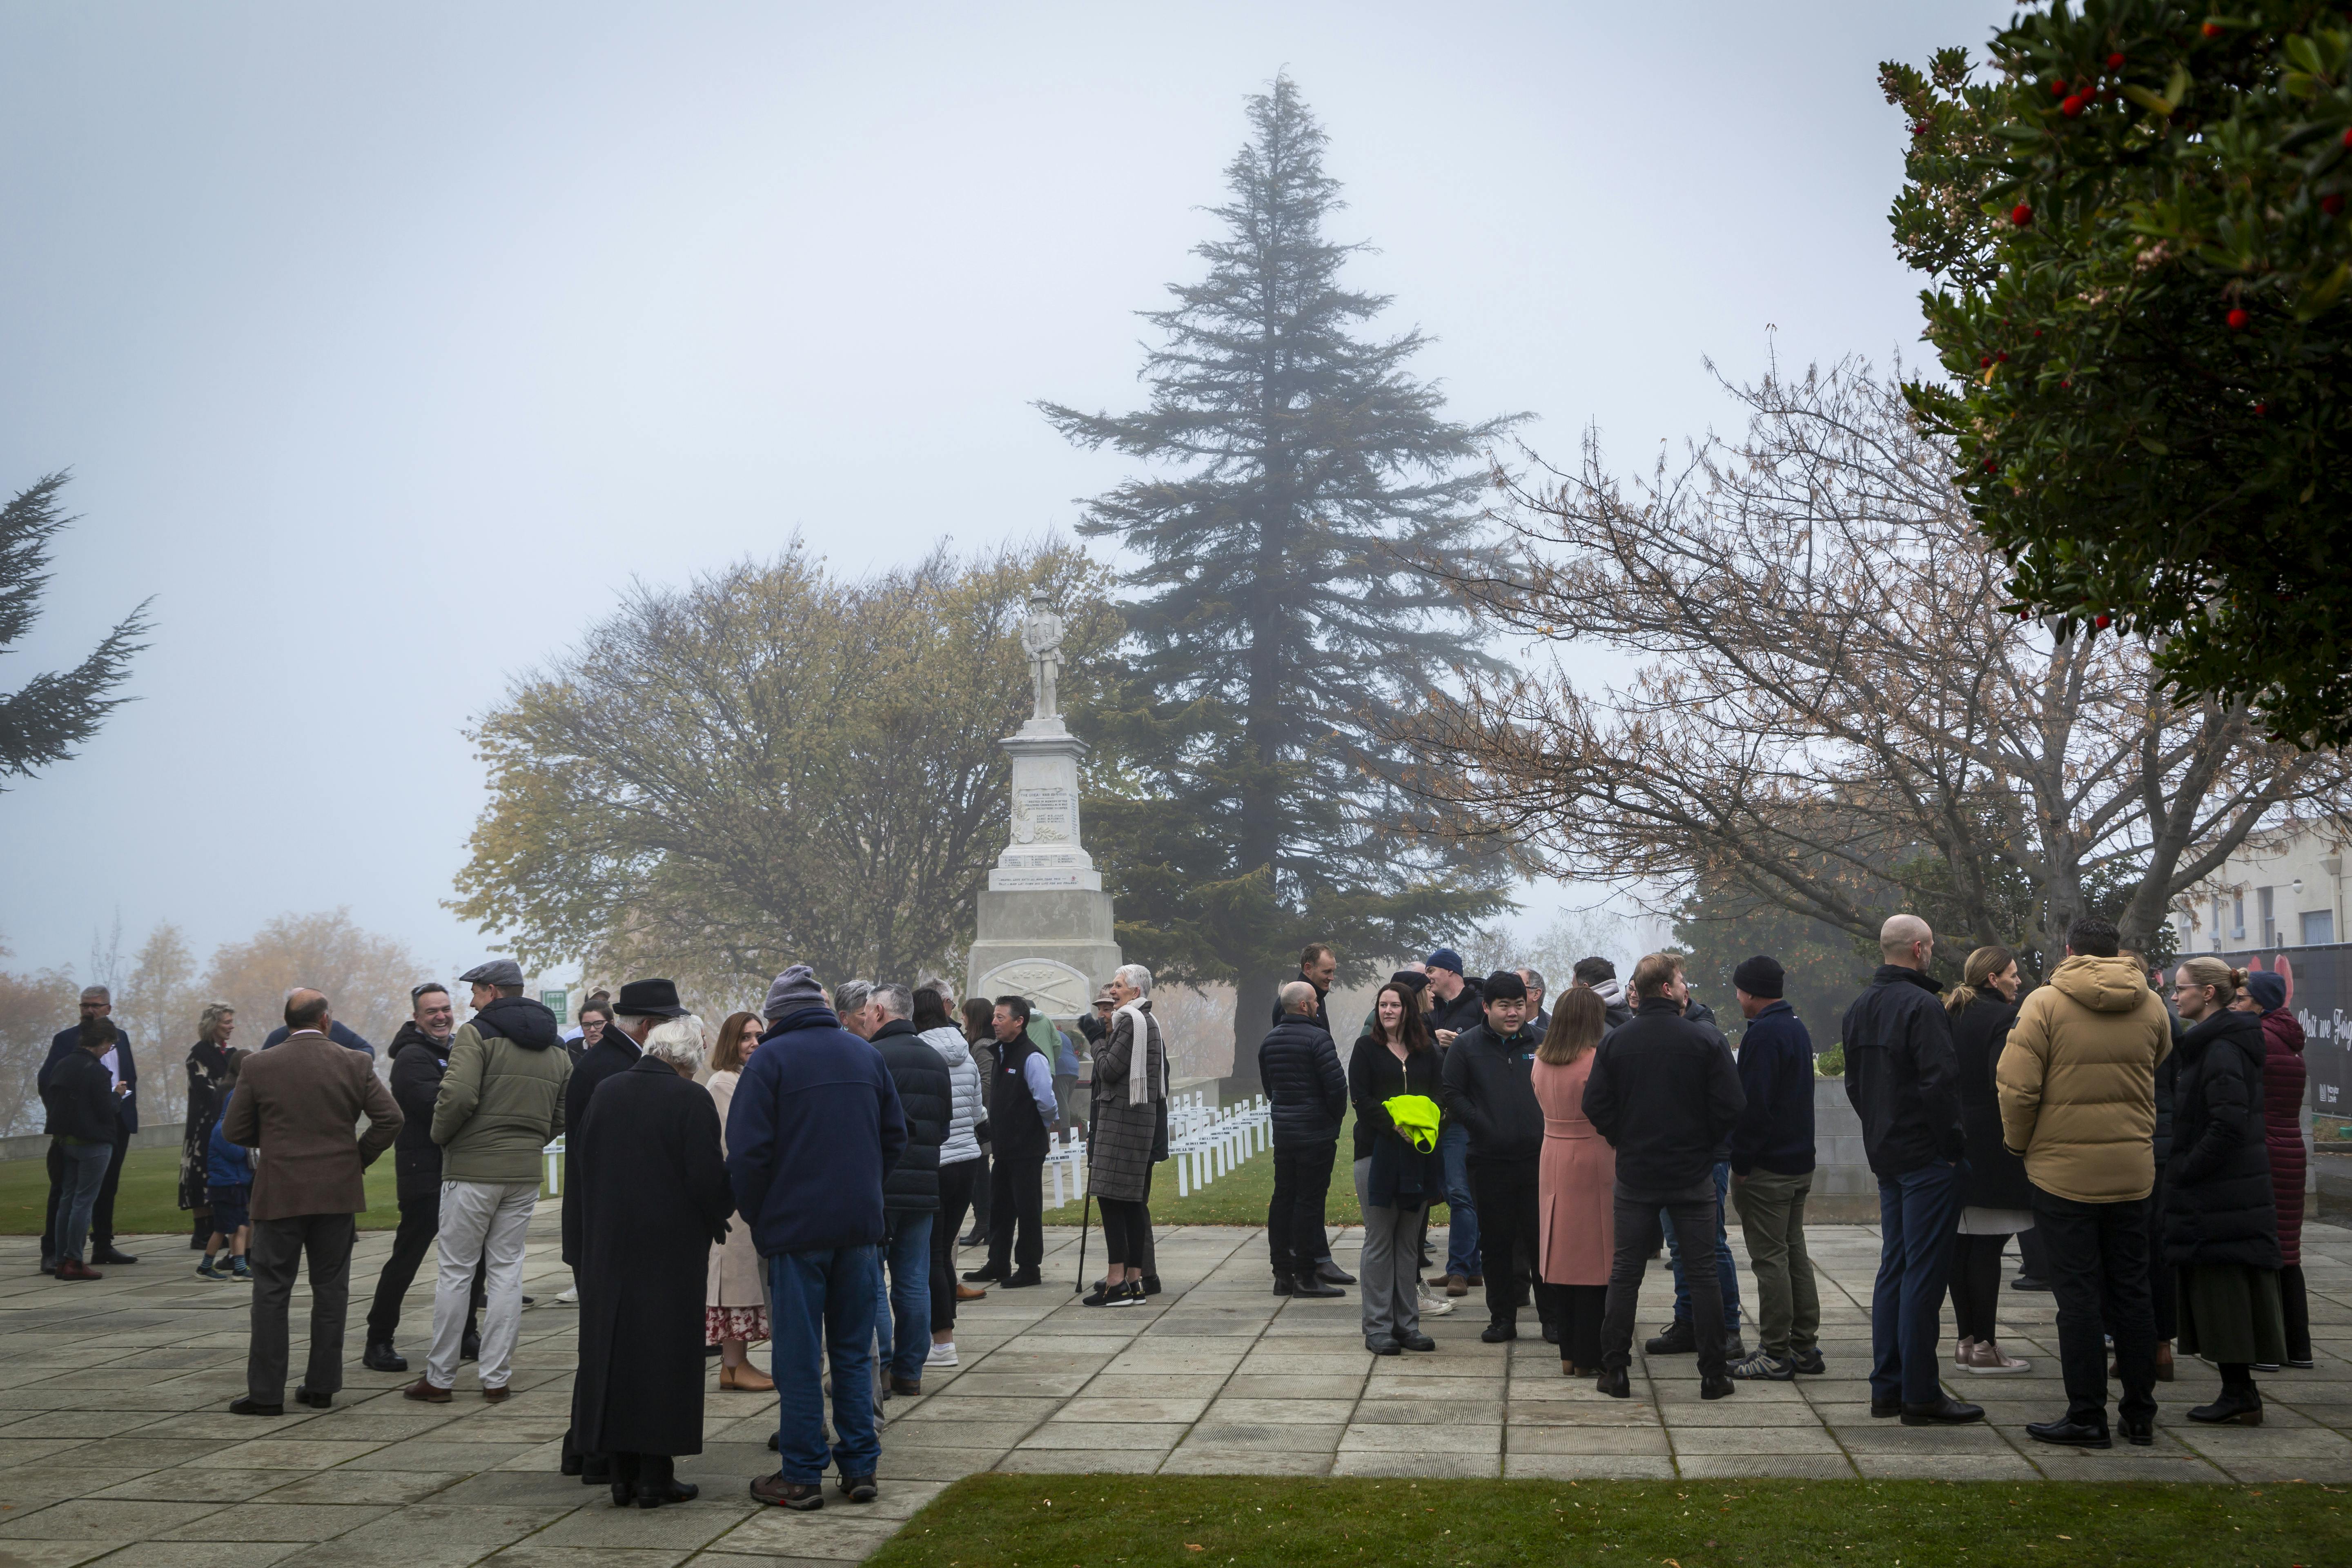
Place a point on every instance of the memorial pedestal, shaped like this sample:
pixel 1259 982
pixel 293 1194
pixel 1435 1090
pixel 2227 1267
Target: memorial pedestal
pixel 1045 923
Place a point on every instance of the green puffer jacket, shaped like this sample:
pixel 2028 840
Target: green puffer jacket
pixel 502 1102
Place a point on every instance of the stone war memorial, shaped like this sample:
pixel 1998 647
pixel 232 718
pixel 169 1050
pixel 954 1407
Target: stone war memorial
pixel 1044 926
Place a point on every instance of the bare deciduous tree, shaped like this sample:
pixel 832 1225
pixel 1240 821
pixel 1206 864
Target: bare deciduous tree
pixel 1840 711
pixel 33 1008
pixel 366 977
pixel 159 1005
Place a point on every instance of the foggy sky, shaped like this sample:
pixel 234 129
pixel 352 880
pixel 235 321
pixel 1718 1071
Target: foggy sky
pixel 387 344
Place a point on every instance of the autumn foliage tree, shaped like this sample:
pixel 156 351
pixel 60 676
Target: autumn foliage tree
pixel 772 764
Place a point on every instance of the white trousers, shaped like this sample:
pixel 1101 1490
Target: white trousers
pixel 484 1222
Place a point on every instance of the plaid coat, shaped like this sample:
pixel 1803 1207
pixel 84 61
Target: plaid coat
pixel 1119 1157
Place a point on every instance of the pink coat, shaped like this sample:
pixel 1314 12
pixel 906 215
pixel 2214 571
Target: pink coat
pixel 1576 1181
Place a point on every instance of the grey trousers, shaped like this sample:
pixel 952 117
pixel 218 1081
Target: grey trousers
pixel 275 1252
pixel 1389 1272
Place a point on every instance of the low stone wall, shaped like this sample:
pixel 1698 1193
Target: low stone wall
pixel 35 1145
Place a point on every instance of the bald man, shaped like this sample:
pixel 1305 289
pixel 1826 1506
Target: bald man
pixel 1307 1098
pixel 1903 1078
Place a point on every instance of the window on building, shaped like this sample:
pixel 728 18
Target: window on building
pixel 2318 927
pixel 2238 915
pixel 2265 899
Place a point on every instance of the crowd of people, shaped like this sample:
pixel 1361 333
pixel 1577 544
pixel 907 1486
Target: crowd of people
pixel 2151 1155
pixel 801 1179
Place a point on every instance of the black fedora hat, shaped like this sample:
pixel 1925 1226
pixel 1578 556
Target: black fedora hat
pixel 648 999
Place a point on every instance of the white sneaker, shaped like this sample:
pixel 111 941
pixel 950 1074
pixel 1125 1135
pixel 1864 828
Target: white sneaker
pixel 942 1355
pixel 1434 1303
pixel 569 1294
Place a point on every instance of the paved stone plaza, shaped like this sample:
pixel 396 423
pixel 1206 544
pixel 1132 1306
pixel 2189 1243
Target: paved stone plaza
pixel 116 1442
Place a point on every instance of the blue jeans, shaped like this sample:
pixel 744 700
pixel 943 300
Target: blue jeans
pixel 824 1312
pixel 1916 1213
pixel 1461 1209
pixel 84 1172
pixel 1725 1272
pixel 906 1251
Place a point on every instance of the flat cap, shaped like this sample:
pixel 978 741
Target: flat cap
pixel 497 972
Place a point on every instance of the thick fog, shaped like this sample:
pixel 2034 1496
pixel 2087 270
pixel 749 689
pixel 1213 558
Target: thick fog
pixel 386 343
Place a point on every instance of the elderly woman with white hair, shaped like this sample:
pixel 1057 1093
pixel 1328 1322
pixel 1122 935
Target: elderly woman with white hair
pixel 1130 1088
pixel 655 1200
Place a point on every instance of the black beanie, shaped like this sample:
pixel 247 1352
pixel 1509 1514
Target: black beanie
pixel 1759 976
pixel 1503 986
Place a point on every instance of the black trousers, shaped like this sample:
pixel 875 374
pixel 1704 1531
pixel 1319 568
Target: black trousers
pixel 278 1247
pixel 1577 1310
pixel 1294 1218
pixel 1127 1230
pixel 2161 1284
pixel 1506 1192
pixel 420 1222
pixel 2295 1306
pixel 1639 1234
pixel 2032 1260
pixel 955 1197
pixel 1016 1209
pixel 2097 1257
pixel 1975 1284
pixel 982 1188
pixel 101 1213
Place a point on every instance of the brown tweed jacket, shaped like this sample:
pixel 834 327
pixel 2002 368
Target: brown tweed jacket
pixel 299 1103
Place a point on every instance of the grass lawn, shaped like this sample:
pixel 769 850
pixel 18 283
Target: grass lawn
pixel 1240 1194
pixel 149 1199
pixel 1211 1521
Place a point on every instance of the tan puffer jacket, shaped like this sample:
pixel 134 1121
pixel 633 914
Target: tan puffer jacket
pixel 2077 1081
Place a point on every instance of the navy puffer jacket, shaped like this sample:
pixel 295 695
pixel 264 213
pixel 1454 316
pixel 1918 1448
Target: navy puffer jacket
pixel 1305 1086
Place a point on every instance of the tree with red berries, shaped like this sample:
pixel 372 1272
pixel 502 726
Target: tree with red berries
pixel 2136 229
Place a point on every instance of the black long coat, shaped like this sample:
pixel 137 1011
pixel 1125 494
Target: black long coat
pixel 612 1054
pixel 2218 1205
pixel 1996 1178
pixel 654 1199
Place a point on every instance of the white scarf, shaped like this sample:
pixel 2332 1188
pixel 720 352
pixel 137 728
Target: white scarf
pixel 1139 1056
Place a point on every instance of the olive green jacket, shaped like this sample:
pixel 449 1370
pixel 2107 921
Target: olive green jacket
pixel 500 1105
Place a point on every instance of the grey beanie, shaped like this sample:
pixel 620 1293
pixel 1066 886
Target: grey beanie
pixel 795 990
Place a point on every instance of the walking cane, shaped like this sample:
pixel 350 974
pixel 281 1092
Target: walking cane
pixel 1085 1214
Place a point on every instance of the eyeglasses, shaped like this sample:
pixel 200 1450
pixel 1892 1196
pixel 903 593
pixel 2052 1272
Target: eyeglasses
pixel 418 993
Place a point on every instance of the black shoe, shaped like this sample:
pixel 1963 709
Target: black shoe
pixel 1715 1387
pixel 48 1266
pixel 1312 1284
pixel 653 1494
pixel 1021 1278
pixel 1327 1271
pixel 1382 1347
pixel 107 1252
pixel 315 1400
pixel 774 1447
pixel 1808 1363
pixel 2237 1406
pixel 595 1470
pixel 2028 1282
pixel 1675 1339
pixel 1494 1333
pixel 1551 1333
pixel 252 1406
pixel 906 1387
pixel 1282 1285
pixel 1735 1348
pixel 1151 1284
pixel 1881 1409
pixel 574 1463
pixel 858 1489
pixel 974 1239
pixel 1613 1382
pixel 470 1347
pixel 381 1357
pixel 986 1274
pixel 1417 1340
pixel 2069 1434
pixel 1102 1295
pixel 1942 1412
pixel 2139 1431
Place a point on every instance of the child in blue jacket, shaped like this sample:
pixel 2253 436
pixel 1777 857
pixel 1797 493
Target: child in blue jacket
pixel 228 1183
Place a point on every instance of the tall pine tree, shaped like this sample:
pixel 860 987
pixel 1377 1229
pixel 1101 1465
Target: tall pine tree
pixel 1279 620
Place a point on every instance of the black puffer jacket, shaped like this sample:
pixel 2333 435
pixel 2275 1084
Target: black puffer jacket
pixel 1900 1075
pixel 1304 1087
pixel 419 1061
pixel 1996 1178
pixel 927 1096
pixel 78 1094
pixel 1489 1087
pixel 2218 1203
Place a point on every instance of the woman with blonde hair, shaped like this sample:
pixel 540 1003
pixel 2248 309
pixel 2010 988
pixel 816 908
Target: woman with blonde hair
pixel 1997 1200
pixel 2221 1225
pixel 207 1065
pixel 735 1307
pixel 1575 1185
